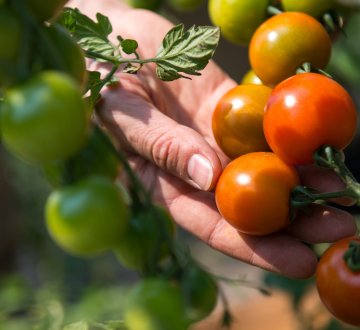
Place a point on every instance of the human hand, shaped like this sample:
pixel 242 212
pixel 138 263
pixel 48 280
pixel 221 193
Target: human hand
pixel 165 130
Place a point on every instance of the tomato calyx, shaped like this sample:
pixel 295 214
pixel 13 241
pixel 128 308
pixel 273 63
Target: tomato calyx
pixel 331 158
pixel 308 67
pixel 352 256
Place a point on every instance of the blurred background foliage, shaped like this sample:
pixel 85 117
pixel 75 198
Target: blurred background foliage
pixel 42 288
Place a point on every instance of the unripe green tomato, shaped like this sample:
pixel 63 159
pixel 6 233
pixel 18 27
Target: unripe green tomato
pixel 238 19
pixel 250 77
pixel 45 118
pixel 88 217
pixel 44 10
pixel 155 304
pixel 95 158
pixel 145 4
pixel 200 292
pixel 144 244
pixel 65 54
pixel 314 8
pixel 186 5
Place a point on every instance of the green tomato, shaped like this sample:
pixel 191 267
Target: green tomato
pixel 238 19
pixel 45 118
pixel 64 54
pixel 145 4
pixel 88 217
pixel 200 292
pixel 95 158
pixel 10 43
pixel 186 5
pixel 144 245
pixel 44 10
pixel 251 78
pixel 314 8
pixel 155 304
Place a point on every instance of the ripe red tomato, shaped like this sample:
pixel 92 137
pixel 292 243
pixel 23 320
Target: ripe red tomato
pixel 337 284
pixel 253 193
pixel 237 120
pixel 306 112
pixel 286 41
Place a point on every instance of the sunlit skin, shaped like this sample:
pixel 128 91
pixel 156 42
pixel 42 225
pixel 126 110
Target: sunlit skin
pixel 143 111
pixel 237 120
pixel 338 285
pixel 286 41
pixel 306 112
pixel 253 193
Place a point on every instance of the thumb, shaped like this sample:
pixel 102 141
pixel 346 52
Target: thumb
pixel 141 128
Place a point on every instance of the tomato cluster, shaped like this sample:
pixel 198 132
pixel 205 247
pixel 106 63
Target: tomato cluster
pixel 283 114
pixel 46 120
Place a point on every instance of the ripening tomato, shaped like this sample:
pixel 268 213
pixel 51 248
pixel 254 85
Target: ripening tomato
pixel 45 118
pixel 338 283
pixel 88 217
pixel 304 113
pixel 253 193
pixel 310 7
pixel 286 41
pixel 237 121
pixel 238 19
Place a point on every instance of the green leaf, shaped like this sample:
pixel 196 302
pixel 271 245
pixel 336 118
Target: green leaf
pixel 186 51
pixel 94 85
pixel 132 69
pixel 129 46
pixel 82 325
pixel 92 36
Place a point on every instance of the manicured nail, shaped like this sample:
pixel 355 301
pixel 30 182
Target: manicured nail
pixel 200 171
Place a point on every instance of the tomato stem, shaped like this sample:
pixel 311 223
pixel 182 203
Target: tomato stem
pixel 352 256
pixel 331 158
pixel 272 10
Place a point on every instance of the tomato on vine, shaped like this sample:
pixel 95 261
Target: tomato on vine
pixel 338 280
pixel 237 121
pixel 250 77
pixel 260 184
pixel 155 304
pixel 63 54
pixel 88 217
pixel 199 291
pixel 304 113
pixel 45 118
pixel 286 41
pixel 310 7
pixel 144 243
pixel 238 19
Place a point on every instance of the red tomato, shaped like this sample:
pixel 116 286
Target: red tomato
pixel 306 112
pixel 237 121
pixel 253 193
pixel 337 284
pixel 286 41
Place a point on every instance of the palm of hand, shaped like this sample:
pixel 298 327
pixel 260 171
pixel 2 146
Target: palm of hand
pixel 156 123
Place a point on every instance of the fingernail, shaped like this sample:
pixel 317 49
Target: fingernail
pixel 200 171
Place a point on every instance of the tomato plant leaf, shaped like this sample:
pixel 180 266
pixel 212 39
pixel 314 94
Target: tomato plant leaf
pixel 92 36
pixel 129 46
pixel 186 51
